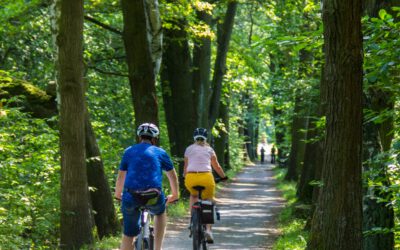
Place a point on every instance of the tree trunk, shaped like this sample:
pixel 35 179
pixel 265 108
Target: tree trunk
pixel 320 144
pixel 337 220
pixel 176 87
pixel 279 133
pixel 223 38
pixel 154 31
pixel 222 141
pixel 304 189
pixel 201 73
pixel 76 226
pixel 250 126
pixel 101 197
pixel 297 145
pixel 139 60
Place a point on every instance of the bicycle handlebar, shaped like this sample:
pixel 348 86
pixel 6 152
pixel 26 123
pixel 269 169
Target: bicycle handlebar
pixel 219 179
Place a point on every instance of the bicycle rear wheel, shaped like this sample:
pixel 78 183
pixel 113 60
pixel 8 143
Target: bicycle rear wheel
pixel 197 233
pixel 142 241
pixel 204 245
pixel 151 239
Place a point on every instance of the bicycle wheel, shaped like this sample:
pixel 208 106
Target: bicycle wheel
pixel 151 239
pixel 204 244
pixel 139 242
pixel 142 242
pixel 196 229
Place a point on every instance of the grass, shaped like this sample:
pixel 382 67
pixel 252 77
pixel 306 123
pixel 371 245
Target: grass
pixel 293 236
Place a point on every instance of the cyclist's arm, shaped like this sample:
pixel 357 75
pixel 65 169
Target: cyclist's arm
pixel 119 185
pixel 173 182
pixel 186 161
pixel 217 167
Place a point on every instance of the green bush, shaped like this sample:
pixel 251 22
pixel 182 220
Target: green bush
pixel 29 182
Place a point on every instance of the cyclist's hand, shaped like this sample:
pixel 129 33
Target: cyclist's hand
pixel 171 199
pixel 219 179
pixel 118 199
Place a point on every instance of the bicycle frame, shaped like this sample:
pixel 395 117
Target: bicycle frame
pixel 145 239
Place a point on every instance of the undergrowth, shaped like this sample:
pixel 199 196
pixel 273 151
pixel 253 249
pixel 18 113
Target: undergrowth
pixel 293 236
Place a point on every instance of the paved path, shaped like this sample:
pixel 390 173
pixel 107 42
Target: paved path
pixel 249 207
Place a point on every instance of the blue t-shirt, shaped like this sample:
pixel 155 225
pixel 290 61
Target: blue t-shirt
pixel 144 164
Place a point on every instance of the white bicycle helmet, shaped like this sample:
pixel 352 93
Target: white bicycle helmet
pixel 148 129
pixel 200 133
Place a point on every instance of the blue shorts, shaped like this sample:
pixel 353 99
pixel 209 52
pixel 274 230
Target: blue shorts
pixel 131 214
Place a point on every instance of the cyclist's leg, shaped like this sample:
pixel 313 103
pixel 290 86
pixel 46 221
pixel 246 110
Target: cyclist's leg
pixel 131 218
pixel 190 181
pixel 208 194
pixel 160 221
pixel 193 199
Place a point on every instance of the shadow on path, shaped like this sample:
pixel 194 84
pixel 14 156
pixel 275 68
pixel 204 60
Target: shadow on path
pixel 249 207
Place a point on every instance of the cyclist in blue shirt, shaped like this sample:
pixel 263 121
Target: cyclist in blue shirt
pixel 141 169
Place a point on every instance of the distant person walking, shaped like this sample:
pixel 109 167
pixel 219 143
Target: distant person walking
pixel 273 151
pixel 262 155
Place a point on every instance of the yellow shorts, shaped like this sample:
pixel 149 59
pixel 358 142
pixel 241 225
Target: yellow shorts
pixel 201 179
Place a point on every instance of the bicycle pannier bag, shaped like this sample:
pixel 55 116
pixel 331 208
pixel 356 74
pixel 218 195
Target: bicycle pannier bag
pixel 207 212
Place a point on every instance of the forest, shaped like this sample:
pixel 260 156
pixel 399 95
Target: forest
pixel 319 79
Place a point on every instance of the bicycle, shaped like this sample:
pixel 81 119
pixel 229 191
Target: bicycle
pixel 202 214
pixel 145 238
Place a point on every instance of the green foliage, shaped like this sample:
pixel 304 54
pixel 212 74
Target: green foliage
pixel 293 234
pixel 25 40
pixel 179 209
pixel 381 64
pixel 29 183
pixel 382 47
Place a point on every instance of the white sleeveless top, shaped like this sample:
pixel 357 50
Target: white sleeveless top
pixel 199 158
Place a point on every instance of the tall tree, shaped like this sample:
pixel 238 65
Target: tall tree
pixel 76 226
pixel 176 87
pixel 223 38
pixel 202 69
pixel 101 198
pixel 221 142
pixel 177 79
pixel 337 220
pixel 299 124
pixel 140 62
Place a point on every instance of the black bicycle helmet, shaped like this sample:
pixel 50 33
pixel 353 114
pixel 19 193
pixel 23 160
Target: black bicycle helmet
pixel 148 129
pixel 200 133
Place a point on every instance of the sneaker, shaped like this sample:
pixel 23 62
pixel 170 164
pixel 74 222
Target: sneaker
pixel 190 230
pixel 209 237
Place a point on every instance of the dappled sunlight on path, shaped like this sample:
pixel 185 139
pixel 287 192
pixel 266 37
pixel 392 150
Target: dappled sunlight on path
pixel 249 207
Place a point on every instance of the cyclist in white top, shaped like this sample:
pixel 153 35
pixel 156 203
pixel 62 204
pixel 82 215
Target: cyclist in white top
pixel 200 159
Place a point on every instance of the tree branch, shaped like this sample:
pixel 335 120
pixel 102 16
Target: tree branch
pixel 108 72
pixel 103 25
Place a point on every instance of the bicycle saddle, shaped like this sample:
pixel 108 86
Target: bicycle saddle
pixel 146 197
pixel 199 188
